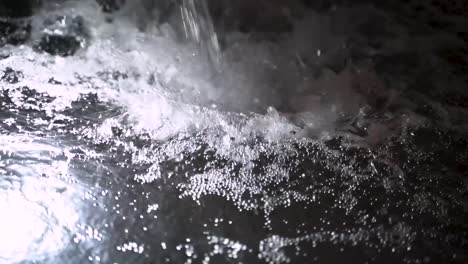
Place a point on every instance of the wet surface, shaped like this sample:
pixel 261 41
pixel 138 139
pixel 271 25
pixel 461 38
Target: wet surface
pixel 343 139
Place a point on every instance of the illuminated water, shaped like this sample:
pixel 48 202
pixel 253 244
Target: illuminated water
pixel 328 145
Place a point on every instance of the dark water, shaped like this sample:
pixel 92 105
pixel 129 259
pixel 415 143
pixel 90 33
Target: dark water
pixel 343 140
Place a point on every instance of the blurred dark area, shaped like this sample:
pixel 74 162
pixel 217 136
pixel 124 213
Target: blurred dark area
pixel 17 8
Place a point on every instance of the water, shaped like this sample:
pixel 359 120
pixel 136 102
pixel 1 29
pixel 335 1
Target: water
pixel 198 26
pixel 342 140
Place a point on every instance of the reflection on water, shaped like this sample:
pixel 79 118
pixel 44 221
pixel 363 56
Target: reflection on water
pixel 38 203
pixel 322 147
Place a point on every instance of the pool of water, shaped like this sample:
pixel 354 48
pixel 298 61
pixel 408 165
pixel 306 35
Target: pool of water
pixel 341 140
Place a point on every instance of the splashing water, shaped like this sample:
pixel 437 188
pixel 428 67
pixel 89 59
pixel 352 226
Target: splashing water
pixel 322 146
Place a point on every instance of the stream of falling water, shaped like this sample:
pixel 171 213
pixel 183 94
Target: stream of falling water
pixel 198 25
